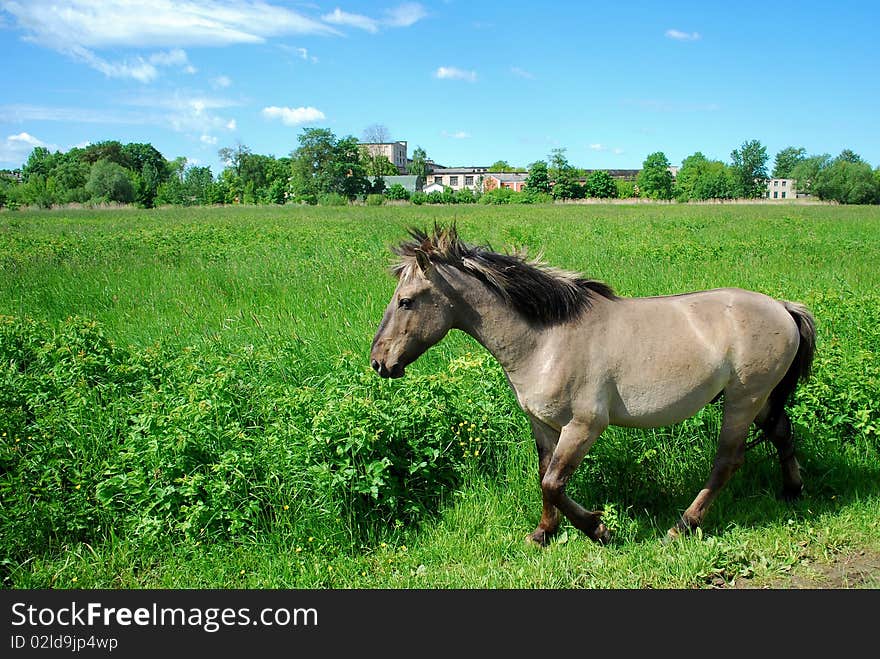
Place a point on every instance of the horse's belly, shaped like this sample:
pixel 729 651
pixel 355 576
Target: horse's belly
pixel 650 404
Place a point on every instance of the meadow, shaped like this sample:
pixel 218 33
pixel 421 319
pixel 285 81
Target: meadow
pixel 186 401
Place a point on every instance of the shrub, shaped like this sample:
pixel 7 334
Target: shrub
pixel 332 199
pixel 397 192
pixel 375 200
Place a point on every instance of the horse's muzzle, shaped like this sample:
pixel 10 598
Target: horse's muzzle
pixel 396 371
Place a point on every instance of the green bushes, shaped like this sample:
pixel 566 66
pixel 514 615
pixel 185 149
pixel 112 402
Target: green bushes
pixel 160 447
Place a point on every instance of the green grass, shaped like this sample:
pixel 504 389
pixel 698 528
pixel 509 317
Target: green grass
pixel 185 401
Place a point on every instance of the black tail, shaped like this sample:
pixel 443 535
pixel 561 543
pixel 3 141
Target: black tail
pixel 803 359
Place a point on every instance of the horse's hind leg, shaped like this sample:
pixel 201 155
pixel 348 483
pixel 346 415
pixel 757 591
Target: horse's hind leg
pixel 738 417
pixel 777 427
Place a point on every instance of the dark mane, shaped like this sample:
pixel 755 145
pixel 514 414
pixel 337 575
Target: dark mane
pixel 539 292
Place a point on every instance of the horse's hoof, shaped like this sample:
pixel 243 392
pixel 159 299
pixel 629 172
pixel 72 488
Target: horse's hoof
pixel 790 494
pixel 539 538
pixel 601 534
pixel 672 535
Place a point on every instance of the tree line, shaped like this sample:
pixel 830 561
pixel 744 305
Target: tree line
pixel 327 169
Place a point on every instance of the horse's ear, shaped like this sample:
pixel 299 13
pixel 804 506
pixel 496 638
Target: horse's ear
pixel 423 261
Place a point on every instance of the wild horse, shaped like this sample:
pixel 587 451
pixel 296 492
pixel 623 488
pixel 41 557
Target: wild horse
pixel 580 358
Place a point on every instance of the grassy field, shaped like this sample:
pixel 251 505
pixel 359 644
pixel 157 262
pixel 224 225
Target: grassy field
pixel 186 402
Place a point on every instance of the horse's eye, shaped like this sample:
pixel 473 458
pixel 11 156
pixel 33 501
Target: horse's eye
pixel 405 303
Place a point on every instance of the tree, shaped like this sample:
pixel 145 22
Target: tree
pixel 501 166
pixel 377 134
pixel 700 178
pixel 109 181
pixel 807 171
pixel 324 164
pixel 786 160
pixel 749 166
pixel 418 166
pixel 565 177
pixel 848 180
pixel 600 184
pixel 655 179
pixel 848 155
pixel 538 180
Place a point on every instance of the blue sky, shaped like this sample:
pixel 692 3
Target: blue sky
pixel 469 82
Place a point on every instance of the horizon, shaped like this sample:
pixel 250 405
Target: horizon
pixel 610 85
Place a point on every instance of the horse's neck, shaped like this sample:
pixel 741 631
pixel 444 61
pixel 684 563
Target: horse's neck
pixel 496 325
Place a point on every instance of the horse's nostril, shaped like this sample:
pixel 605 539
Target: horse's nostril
pixel 374 364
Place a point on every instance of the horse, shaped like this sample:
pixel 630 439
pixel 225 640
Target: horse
pixel 580 358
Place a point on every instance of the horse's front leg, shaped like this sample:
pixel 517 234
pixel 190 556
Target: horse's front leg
pixel 574 442
pixel 546 439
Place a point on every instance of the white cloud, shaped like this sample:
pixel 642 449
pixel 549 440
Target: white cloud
pixel 80 29
pixel 598 147
pixel 157 24
pixel 339 17
pixel 304 54
pixel 457 135
pixel 617 151
pixel 293 116
pixel 678 35
pixel 221 82
pixel 187 112
pixel 522 73
pixel 18 113
pixel 15 149
pixel 404 15
pixel 208 139
pixel 452 73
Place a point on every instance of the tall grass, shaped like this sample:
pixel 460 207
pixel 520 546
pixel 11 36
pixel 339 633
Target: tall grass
pixel 185 400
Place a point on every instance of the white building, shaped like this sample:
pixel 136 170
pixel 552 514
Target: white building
pixel 781 188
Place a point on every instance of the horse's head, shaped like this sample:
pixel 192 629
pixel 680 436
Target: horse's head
pixel 419 314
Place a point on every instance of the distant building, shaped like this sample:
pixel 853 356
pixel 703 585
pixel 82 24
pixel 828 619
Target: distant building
pixel 781 188
pixel 515 181
pixel 621 174
pixel 394 151
pixel 410 183
pixel 458 177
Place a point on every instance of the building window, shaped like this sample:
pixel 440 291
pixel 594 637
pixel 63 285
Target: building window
pixel 438 180
pixel 775 184
pixel 453 180
pixel 783 194
pixel 775 194
pixel 468 180
pixel 783 183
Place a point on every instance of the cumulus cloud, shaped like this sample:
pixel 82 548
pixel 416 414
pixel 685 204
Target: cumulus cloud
pixel 453 73
pixel 457 135
pixel 598 147
pixel 15 149
pixel 293 116
pixel 208 139
pixel 678 35
pixel 221 82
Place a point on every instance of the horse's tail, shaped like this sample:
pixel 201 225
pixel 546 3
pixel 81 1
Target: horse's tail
pixel 803 359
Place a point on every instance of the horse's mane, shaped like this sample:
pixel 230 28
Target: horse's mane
pixel 539 292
